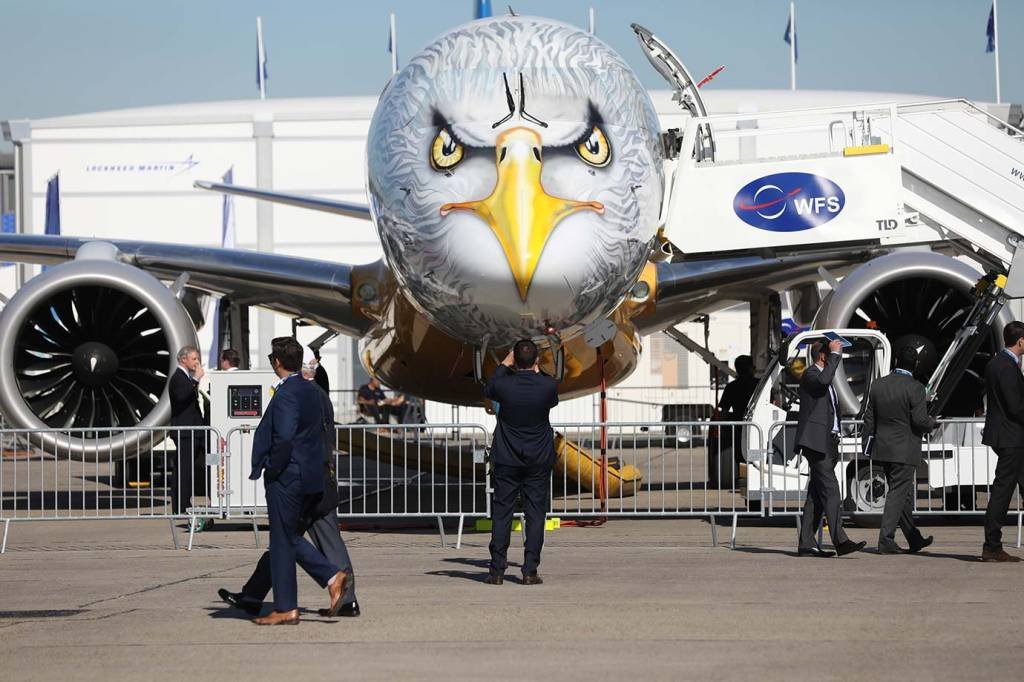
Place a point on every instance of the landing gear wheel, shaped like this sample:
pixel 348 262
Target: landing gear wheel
pixel 866 489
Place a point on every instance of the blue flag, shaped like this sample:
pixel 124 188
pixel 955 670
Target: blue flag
pixel 261 57
pixel 990 30
pixel 482 9
pixel 53 205
pixel 790 38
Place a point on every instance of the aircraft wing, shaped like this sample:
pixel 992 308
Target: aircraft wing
pixel 687 288
pixel 315 290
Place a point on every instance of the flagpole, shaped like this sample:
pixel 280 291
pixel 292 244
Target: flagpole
pixel 792 46
pixel 260 56
pixel 593 23
pixel 394 45
pixel 995 36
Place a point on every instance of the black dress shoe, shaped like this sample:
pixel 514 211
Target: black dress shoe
pixel 532 579
pixel 494 579
pixel 240 601
pixel 849 547
pixel 921 544
pixel 814 552
pixel 889 548
pixel 350 610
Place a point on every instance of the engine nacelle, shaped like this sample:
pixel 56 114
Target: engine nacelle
pixel 90 344
pixel 917 298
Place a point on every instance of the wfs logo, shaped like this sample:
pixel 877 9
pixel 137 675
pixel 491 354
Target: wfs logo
pixel 789 202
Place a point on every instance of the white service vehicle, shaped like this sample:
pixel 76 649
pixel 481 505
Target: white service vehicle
pixel 954 461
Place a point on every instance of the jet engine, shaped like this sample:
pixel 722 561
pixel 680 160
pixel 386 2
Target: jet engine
pixel 89 345
pixel 916 298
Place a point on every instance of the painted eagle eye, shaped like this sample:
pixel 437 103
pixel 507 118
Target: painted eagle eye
pixel 595 149
pixel 445 152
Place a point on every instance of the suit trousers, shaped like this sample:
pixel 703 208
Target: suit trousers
pixel 328 541
pixel 285 505
pixel 188 477
pixel 1009 470
pixel 823 497
pixel 533 483
pixel 899 504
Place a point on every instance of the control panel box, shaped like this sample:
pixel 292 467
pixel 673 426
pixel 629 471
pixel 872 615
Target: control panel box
pixel 238 400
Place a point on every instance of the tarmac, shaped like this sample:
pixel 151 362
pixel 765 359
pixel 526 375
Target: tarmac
pixel 640 599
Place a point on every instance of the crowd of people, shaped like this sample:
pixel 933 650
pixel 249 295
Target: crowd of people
pixel 293 450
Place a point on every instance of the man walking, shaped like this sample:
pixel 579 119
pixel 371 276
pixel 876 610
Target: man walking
pixel 323 532
pixel 1004 433
pixel 522 455
pixel 894 422
pixel 817 439
pixel 189 474
pixel 288 452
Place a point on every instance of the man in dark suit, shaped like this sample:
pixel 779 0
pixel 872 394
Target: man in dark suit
pixel 1004 433
pixel 288 451
pixel 323 531
pixel 895 420
pixel 321 378
pixel 522 454
pixel 817 439
pixel 189 474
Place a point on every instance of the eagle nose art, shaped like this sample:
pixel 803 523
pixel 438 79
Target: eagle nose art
pixel 520 212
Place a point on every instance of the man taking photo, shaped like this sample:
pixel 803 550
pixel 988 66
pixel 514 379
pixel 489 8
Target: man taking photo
pixel 522 454
pixel 817 439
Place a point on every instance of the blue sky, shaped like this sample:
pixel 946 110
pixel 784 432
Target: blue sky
pixel 63 56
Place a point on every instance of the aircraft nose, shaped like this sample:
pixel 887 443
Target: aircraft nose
pixel 519 211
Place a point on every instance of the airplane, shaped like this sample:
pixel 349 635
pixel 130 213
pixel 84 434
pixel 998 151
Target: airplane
pixel 518 192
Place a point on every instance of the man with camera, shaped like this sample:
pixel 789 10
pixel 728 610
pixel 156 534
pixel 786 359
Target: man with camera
pixel 817 439
pixel 522 454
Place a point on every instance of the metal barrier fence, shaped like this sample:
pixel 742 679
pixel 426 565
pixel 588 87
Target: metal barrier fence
pixel 637 469
pixel 640 469
pixel 395 471
pixel 114 473
pixel 953 478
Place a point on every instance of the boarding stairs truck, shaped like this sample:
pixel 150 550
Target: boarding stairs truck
pixel 877 177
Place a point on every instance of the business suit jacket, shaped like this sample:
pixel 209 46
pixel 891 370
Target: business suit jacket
pixel 817 414
pixel 1004 398
pixel 291 430
pixel 321 378
pixel 523 437
pixel 183 391
pixel 897 417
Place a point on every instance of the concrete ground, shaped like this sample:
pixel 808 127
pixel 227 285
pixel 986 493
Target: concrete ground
pixel 632 599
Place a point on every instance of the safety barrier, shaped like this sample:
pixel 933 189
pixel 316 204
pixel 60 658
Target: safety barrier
pixel 664 469
pixel 439 471
pixel 952 479
pixel 123 473
pixel 397 471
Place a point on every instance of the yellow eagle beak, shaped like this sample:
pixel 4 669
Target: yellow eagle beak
pixel 519 211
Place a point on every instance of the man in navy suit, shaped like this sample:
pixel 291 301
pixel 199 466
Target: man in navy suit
pixel 288 452
pixel 522 454
pixel 1004 433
